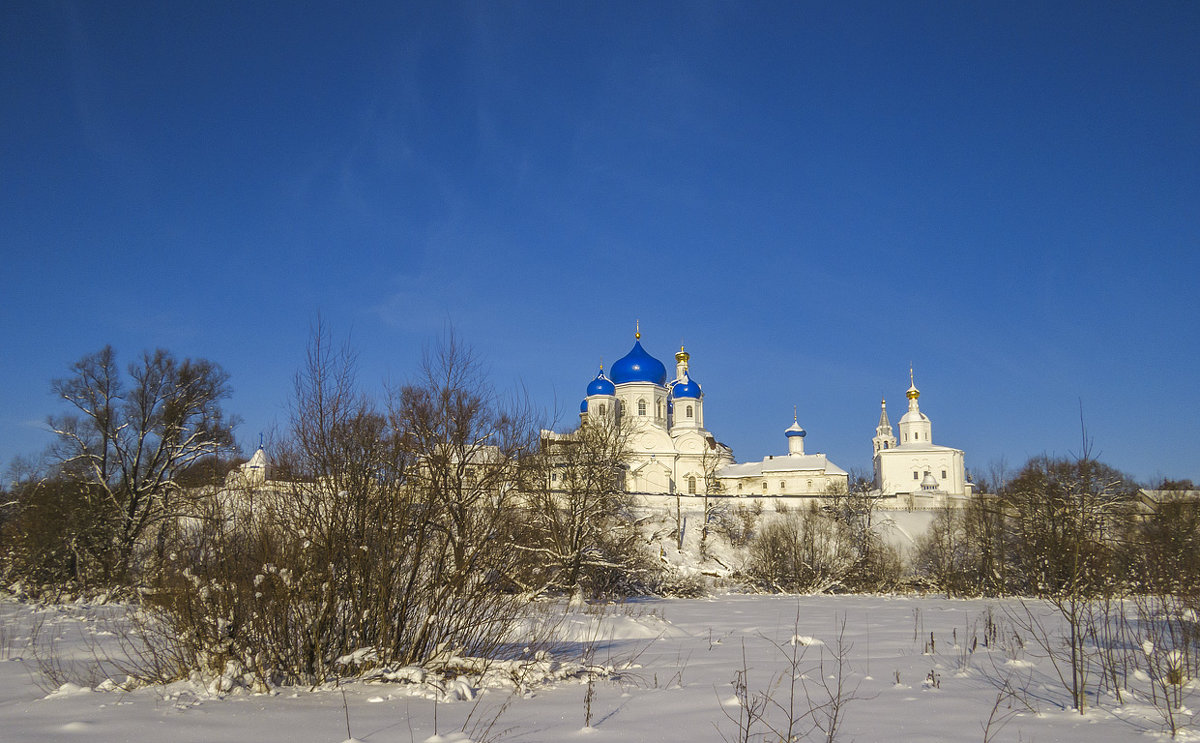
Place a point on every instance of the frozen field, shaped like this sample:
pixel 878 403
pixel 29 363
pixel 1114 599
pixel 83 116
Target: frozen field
pixel 675 662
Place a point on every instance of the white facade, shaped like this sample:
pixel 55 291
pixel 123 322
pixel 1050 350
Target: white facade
pixel 910 466
pixel 795 473
pixel 251 473
pixel 671 450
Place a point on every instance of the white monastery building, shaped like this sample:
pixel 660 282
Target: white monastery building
pixel 913 468
pixel 794 473
pixel 671 450
pixel 672 453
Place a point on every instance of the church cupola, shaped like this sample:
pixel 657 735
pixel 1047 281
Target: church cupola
pixel 640 382
pixel 601 385
pixel 915 426
pixel 601 400
pixel 883 432
pixel 795 436
pixel 639 366
pixel 686 396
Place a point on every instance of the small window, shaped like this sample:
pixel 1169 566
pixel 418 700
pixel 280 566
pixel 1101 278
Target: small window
pixel 916 436
pixel 764 486
pixel 554 477
pixel 658 410
pixel 782 486
pixel 916 475
pixel 691 486
pixel 943 474
pixel 689 411
pixel 885 444
pixel 601 409
pixel 641 407
pixel 739 487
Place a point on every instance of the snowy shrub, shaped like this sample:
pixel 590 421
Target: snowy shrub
pixel 817 550
pixel 392 532
pixel 738 524
pixel 57 538
pixel 578 529
pixel 799 553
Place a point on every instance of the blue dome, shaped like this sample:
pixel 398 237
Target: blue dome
pixel 687 388
pixel 583 406
pixel 601 385
pixel 794 430
pixel 638 366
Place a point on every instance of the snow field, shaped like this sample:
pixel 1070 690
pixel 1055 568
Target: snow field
pixel 916 669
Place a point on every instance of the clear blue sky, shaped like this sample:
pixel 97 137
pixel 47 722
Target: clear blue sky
pixel 809 195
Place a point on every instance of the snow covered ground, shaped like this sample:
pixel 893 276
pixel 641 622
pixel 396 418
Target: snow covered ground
pixel 917 669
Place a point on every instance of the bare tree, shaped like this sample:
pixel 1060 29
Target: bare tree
pixel 1066 515
pixel 384 537
pixel 130 439
pixel 799 553
pixel 583 534
pixel 716 508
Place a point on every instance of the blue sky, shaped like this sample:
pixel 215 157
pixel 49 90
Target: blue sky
pixel 810 196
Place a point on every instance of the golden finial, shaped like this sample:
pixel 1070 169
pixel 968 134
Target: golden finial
pixel 637 332
pixel 913 393
pixel 682 355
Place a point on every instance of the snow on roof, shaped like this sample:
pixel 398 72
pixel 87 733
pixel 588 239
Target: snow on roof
pixel 787 463
pixel 916 448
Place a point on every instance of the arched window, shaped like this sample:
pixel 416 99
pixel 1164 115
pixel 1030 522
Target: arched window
pixel 885 444
pixel 782 486
pixel 691 485
pixel 601 408
pixel 641 407
pixel 764 486
pixel 739 487
pixel 689 411
pixel 658 410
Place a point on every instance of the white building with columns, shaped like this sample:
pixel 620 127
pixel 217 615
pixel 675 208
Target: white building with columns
pixel 911 467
